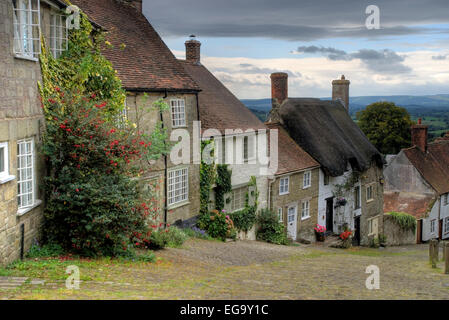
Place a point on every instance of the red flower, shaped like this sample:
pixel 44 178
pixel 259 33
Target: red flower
pixel 77 190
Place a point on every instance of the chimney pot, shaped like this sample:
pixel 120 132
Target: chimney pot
pixel 136 4
pixel 340 91
pixel 419 136
pixel 193 50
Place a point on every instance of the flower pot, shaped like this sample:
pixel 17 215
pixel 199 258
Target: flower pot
pixel 319 237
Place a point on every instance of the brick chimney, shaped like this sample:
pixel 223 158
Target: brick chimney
pixel 135 3
pixel 279 93
pixel 193 50
pixel 340 91
pixel 419 136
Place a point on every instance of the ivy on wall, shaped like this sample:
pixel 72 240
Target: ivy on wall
pixel 245 219
pixel 404 220
pixel 222 185
pixel 207 175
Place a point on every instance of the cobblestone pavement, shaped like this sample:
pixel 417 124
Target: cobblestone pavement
pixel 254 270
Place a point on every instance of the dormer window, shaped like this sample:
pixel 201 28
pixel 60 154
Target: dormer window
pixel 26 22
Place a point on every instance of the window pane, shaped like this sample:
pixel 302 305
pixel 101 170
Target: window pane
pixel 2 159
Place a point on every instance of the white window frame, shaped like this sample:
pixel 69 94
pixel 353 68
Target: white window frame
pixel 250 154
pixel 305 209
pixel 284 186
pixel 22 171
pixel 307 179
pixel 173 186
pixel 5 172
pixel 291 217
pixel 280 215
pixel 370 194
pixel 26 28
pixel 433 225
pixel 240 204
pixel 446 199
pixel 58 33
pixel 178 113
pixel 122 117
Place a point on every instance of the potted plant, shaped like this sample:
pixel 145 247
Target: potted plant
pixel 346 239
pixel 340 202
pixel 319 232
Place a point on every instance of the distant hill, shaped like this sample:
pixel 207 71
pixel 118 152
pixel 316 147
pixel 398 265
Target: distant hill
pixel 414 104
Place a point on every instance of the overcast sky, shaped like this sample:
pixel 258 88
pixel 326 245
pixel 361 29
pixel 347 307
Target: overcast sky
pixel 315 42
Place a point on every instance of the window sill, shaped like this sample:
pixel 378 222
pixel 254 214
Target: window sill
pixel 283 194
pixel 23 211
pixel 17 56
pixel 305 218
pixel 177 205
pixel 370 200
pixel 306 187
pixel 6 179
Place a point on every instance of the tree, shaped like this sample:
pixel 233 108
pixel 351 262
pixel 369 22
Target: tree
pixel 386 125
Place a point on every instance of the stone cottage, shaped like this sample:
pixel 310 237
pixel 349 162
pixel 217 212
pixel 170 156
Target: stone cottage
pixel 221 113
pixel 350 175
pixel 293 190
pixel 21 118
pixel 417 182
pixel 150 72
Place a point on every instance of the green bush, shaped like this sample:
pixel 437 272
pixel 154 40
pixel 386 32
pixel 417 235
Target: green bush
pixel 217 225
pixel 244 219
pixel 171 237
pixel 270 229
pixel 48 250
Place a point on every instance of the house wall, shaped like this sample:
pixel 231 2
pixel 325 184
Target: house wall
pixel 347 213
pixel 400 175
pixel 305 228
pixel 427 234
pixel 20 118
pixel 397 236
pixel 138 103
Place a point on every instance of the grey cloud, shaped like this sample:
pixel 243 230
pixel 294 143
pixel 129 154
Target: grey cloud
pixel 439 57
pixel 252 69
pixel 304 20
pixel 380 61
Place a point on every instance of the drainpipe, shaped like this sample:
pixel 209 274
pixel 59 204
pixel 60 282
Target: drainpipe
pixel 165 170
pixel 269 191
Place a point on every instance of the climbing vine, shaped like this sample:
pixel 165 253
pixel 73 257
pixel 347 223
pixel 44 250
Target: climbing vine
pixel 222 185
pixel 245 219
pixel 404 220
pixel 94 204
pixel 207 175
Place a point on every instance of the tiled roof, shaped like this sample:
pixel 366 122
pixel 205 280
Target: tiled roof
pixel 412 203
pixel 433 165
pixel 290 156
pixel 145 63
pixel 219 108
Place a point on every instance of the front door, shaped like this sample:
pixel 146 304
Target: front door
pixel 330 215
pixel 292 218
pixel 356 239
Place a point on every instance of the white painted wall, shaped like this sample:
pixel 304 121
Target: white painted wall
pixel 343 214
pixel 433 215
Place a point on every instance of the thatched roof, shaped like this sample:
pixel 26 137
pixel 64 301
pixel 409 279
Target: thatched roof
pixel 326 131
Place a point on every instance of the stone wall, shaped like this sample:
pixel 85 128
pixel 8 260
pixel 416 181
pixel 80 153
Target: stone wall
pixel 149 117
pixel 371 209
pixel 295 196
pixel 20 118
pixel 396 235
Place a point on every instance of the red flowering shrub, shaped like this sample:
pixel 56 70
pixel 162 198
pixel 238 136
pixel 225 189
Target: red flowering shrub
pixel 93 204
pixel 345 235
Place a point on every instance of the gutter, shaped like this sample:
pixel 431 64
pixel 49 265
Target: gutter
pixel 165 90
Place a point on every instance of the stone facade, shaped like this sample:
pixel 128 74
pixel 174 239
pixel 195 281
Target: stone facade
pixel 20 118
pixel 297 194
pixel 148 119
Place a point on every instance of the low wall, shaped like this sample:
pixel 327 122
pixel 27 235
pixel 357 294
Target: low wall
pixel 249 235
pixel 395 234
